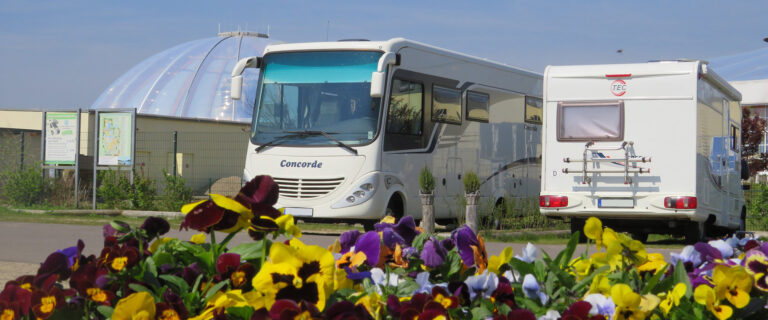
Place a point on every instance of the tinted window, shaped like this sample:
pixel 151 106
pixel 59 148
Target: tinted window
pixel 477 106
pixel 446 105
pixel 405 107
pixel 533 110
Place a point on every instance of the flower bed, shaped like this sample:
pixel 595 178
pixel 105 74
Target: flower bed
pixel 395 272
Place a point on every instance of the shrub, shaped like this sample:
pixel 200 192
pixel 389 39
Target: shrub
pixel 471 182
pixel 757 207
pixel 176 193
pixel 426 181
pixel 24 187
pixel 115 189
pixel 143 192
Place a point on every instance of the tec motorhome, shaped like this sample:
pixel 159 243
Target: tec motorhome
pixel 648 148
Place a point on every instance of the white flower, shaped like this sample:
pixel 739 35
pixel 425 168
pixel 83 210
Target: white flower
pixel 601 304
pixel 512 275
pixel 530 252
pixel 383 279
pixel 689 254
pixel 550 315
pixel 532 290
pixel 725 249
pixel 483 284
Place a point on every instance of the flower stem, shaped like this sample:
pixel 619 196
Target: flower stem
pixel 263 251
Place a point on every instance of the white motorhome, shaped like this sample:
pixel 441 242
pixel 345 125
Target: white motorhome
pixel 648 148
pixel 345 127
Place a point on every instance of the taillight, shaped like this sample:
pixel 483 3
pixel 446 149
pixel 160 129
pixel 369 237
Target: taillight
pixel 680 202
pixel 553 201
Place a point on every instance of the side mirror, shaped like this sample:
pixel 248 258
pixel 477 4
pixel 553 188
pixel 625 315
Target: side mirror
pixel 236 87
pixel 378 81
pixel 379 77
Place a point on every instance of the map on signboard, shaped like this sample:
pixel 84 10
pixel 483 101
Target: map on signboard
pixel 115 139
pixel 60 137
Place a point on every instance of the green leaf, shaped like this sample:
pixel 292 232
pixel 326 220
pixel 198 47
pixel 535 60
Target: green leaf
pixel 248 251
pixel 481 313
pixel 71 313
pixel 162 258
pixel 213 290
pixel 239 313
pixel 681 276
pixel 120 226
pixel 565 256
pixel 522 267
pixel 406 288
pixel 105 311
pixel 419 241
pixel 653 281
pixel 454 264
pixel 179 285
pixel 150 272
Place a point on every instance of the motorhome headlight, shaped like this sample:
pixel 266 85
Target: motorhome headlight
pixel 364 191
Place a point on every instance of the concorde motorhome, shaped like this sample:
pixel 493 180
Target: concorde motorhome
pixel 345 127
pixel 648 148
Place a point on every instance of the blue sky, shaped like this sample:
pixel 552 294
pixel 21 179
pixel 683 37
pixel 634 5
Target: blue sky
pixel 65 53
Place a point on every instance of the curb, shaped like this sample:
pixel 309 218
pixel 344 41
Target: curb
pixel 102 212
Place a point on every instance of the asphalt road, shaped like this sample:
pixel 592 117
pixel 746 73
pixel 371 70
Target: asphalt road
pixel 23 246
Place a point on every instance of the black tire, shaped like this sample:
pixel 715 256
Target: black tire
pixel 369 225
pixel 577 225
pixel 695 232
pixel 395 207
pixel 640 236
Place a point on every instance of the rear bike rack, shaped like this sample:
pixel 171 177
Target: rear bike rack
pixel 589 148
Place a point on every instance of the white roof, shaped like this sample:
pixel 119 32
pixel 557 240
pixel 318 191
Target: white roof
pixel 748 73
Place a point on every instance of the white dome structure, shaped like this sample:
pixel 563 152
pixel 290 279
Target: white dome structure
pixel 190 80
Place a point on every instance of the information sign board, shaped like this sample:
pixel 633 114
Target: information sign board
pixel 115 139
pixel 60 137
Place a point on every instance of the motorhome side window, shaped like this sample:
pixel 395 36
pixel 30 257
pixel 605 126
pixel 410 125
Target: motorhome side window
pixel 590 121
pixel 406 110
pixel 735 137
pixel 533 111
pixel 477 106
pixel 446 105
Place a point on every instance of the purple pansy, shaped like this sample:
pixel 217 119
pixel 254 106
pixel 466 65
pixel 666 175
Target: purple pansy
pixel 347 240
pixel 370 244
pixel 464 238
pixel 405 228
pixel 433 254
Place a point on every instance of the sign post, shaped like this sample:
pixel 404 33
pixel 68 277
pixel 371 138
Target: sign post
pixel 114 142
pixel 61 143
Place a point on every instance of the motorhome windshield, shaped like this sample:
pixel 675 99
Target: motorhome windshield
pixel 324 91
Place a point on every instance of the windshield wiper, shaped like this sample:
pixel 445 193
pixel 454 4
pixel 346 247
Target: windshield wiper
pixel 307 133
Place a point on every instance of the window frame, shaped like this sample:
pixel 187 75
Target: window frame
pixel 389 104
pixel 487 106
pixel 561 105
pixel 433 113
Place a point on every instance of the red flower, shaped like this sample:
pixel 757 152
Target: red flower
pixel 118 258
pixel 14 302
pixel 45 302
pixel 579 310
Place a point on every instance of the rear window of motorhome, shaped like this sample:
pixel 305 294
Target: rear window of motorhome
pixel 406 111
pixel 590 121
pixel 477 106
pixel 446 105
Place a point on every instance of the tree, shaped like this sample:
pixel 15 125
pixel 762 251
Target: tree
pixel 752 133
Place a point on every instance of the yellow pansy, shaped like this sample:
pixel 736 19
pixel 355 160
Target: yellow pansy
pixel 136 306
pixel 156 244
pixel 654 263
pixel 220 301
pixel 705 295
pixel 287 226
pixel 495 262
pixel 672 298
pixel 732 283
pixel 593 229
pixel 198 238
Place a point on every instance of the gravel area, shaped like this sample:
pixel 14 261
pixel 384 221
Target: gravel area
pixel 13 270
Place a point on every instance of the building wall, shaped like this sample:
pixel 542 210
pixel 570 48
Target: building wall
pixel 207 151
